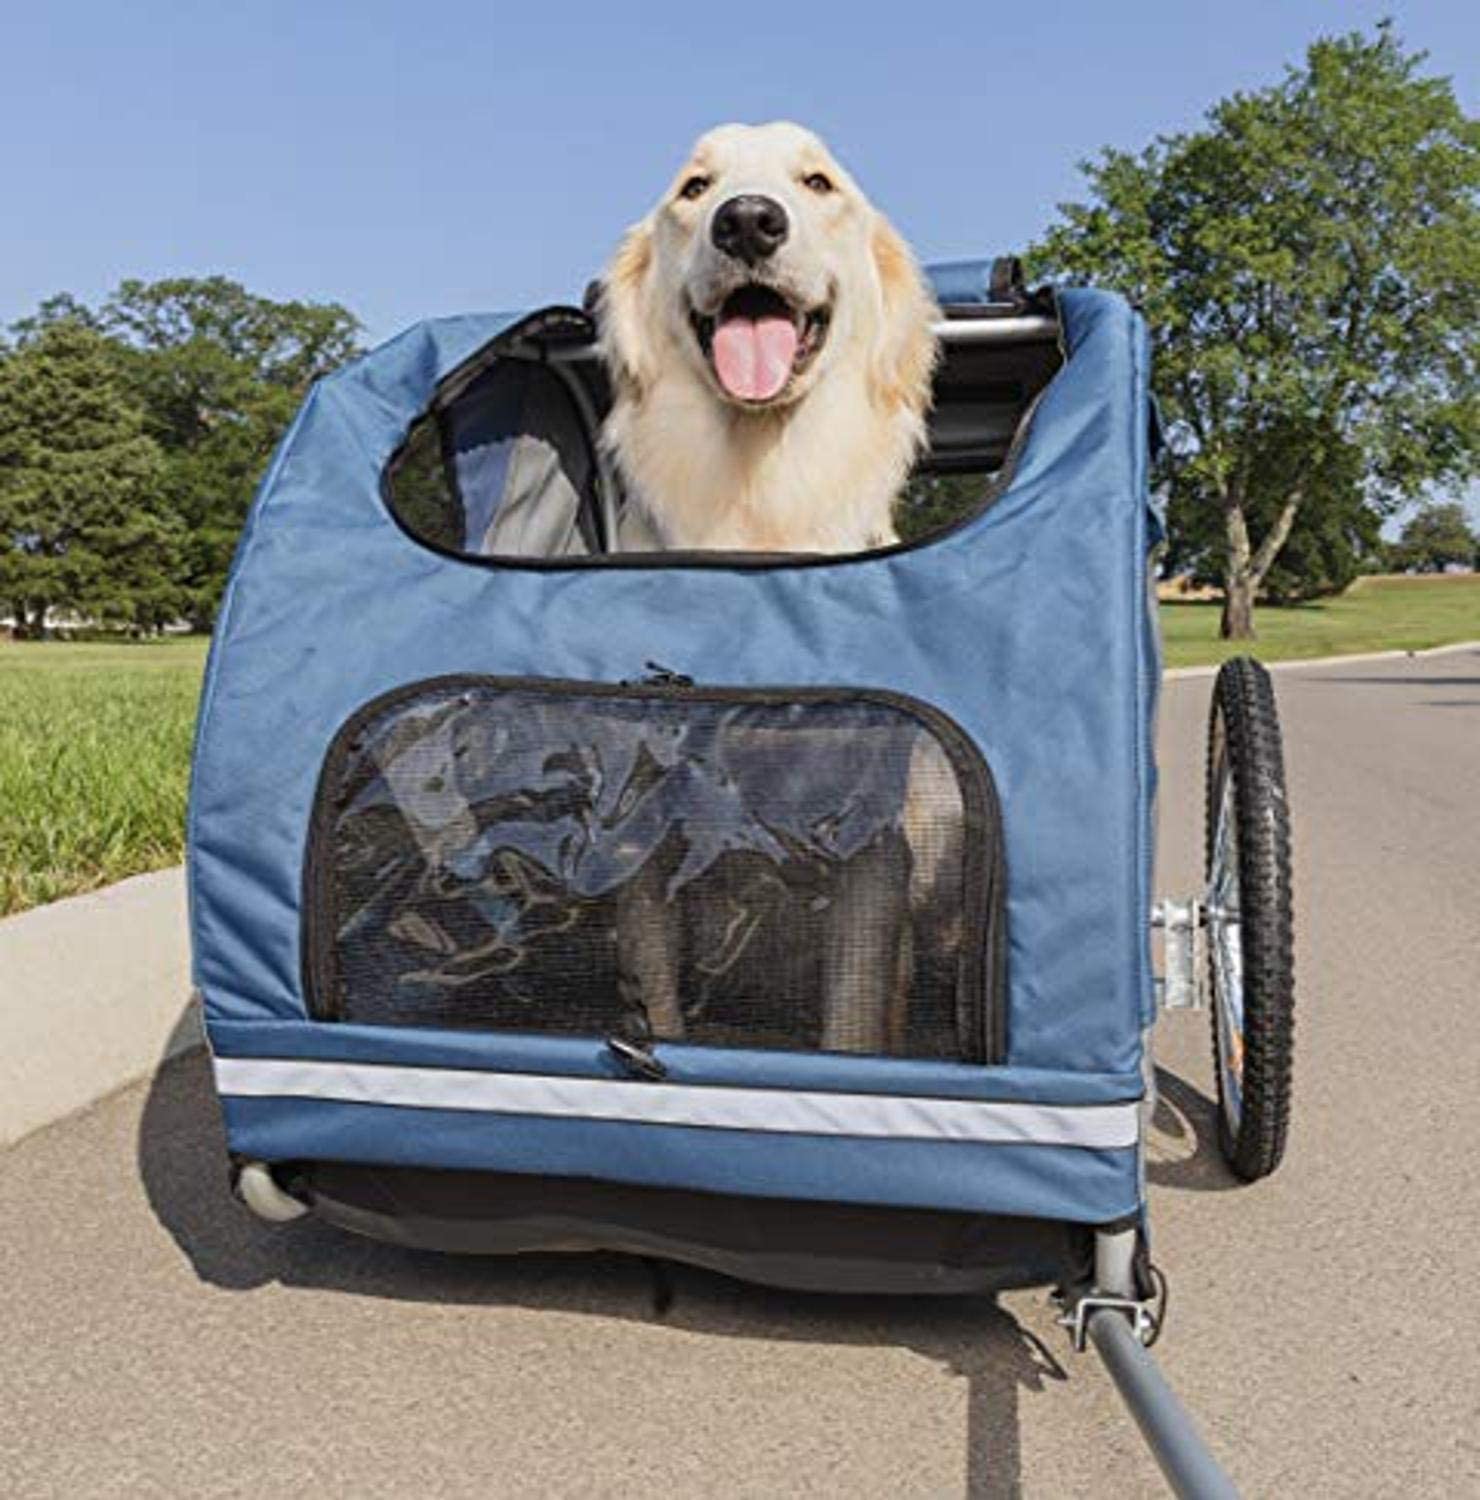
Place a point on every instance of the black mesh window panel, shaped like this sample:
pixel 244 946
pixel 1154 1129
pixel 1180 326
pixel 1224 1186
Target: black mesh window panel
pixel 804 869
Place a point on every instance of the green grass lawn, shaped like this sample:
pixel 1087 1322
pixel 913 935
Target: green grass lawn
pixel 95 739
pixel 94 762
pixel 1375 614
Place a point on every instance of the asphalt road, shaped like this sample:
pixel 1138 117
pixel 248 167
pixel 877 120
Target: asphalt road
pixel 155 1340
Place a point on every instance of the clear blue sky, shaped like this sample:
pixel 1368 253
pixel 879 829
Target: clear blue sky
pixel 411 160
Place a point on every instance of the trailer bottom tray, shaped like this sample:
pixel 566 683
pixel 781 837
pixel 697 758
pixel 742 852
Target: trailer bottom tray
pixel 795 1243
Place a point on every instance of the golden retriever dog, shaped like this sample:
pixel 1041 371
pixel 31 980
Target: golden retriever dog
pixel 770 341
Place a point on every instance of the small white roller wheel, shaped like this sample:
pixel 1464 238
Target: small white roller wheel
pixel 258 1189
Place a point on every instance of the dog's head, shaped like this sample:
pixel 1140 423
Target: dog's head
pixel 762 267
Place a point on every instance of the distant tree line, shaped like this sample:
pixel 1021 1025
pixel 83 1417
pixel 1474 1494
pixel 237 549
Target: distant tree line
pixel 132 436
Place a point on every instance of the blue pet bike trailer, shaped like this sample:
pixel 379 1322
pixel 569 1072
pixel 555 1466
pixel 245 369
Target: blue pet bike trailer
pixel 787 915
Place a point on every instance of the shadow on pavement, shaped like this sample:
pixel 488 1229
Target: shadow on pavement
pixel 182 1159
pixel 1183 1147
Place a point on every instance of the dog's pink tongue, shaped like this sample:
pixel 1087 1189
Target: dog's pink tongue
pixel 753 356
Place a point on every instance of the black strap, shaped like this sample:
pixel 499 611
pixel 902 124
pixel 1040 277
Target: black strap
pixel 1006 283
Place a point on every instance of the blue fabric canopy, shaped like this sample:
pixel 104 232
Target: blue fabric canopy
pixel 1028 625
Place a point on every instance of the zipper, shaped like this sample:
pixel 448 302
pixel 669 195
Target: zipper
pixel 980 994
pixel 637 1058
pixel 657 675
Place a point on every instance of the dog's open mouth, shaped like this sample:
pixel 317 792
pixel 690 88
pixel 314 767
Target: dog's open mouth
pixel 758 342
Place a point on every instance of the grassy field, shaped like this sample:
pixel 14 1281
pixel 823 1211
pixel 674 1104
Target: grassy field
pixel 1375 614
pixel 95 739
pixel 94 761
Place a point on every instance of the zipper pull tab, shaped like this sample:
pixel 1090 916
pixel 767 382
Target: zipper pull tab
pixel 636 1059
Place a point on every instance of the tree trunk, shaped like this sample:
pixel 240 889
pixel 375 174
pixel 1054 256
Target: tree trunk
pixel 1238 609
pixel 1238 579
pixel 1246 569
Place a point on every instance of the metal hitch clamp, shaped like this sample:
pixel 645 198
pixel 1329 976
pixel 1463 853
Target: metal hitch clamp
pixel 1143 1320
pixel 1120 1325
pixel 1183 953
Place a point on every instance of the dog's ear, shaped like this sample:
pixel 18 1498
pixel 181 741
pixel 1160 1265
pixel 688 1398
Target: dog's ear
pixel 620 312
pixel 905 349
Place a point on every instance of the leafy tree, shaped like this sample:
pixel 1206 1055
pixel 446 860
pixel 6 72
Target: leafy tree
pixel 63 307
pixel 220 372
pixel 1436 537
pixel 1309 264
pixel 287 344
pixel 82 527
pixel 1330 545
pixel 1333 537
pixel 931 501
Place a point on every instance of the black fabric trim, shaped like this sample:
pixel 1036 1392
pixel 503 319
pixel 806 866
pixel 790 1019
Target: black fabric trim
pixel 1006 282
pixel 805 1244
pixel 981 995
pixel 1044 299
pixel 1120 1225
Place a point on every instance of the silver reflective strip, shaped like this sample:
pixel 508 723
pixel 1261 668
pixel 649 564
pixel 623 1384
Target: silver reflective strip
pixel 1102 1127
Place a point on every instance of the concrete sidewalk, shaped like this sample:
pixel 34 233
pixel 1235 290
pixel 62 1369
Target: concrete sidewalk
pixel 1297 663
pixel 91 991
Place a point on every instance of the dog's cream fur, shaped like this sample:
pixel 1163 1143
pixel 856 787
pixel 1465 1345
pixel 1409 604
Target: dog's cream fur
pixel 816 468
pixel 819 467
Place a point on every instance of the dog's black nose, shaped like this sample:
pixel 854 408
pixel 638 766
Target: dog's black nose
pixel 750 227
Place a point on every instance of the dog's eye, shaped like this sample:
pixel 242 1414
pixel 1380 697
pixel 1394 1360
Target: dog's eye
pixel 695 187
pixel 818 182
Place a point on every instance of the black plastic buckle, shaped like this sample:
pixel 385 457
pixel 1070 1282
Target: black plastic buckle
pixel 657 675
